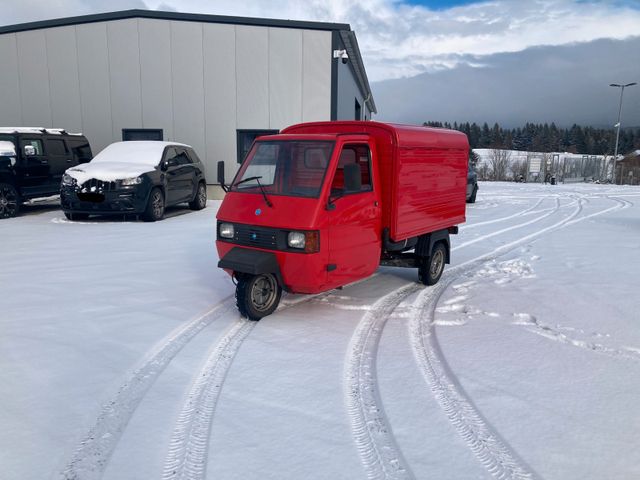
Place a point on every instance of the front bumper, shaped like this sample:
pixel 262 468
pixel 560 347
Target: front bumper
pixel 123 200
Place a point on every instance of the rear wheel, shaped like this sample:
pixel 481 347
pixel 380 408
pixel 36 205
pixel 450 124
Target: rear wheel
pixel 9 201
pixel 431 268
pixel 155 206
pixel 200 200
pixel 76 216
pixel 257 295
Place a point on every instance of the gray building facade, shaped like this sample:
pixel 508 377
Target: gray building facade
pixel 209 81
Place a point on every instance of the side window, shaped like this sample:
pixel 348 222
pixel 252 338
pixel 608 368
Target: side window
pixel 360 155
pixel 193 157
pixel 55 147
pixel 80 150
pixel 170 155
pixel 35 143
pixel 182 158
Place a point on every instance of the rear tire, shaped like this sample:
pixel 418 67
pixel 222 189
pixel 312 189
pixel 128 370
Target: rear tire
pixel 9 201
pixel 257 295
pixel 155 206
pixel 431 268
pixel 200 200
pixel 76 216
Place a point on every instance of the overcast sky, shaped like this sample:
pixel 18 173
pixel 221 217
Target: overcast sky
pixel 438 40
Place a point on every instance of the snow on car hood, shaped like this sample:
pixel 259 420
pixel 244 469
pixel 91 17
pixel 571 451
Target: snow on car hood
pixel 107 171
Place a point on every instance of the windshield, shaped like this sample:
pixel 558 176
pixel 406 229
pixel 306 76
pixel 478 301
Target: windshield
pixel 289 167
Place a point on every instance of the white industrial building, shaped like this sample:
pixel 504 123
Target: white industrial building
pixel 212 82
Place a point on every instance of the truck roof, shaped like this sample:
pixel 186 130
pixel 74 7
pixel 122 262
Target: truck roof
pixel 411 136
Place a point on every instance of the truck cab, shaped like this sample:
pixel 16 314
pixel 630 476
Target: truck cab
pixel 312 209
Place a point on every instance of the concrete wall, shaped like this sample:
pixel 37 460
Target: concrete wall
pixel 199 82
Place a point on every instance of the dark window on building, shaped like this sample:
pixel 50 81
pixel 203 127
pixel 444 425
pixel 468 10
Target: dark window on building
pixel 129 134
pixel 56 147
pixel 358 111
pixel 246 138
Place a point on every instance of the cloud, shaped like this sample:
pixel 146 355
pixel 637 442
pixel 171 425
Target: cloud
pixel 397 38
pixel 566 85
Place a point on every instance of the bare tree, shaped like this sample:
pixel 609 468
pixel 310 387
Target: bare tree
pixel 518 169
pixel 499 163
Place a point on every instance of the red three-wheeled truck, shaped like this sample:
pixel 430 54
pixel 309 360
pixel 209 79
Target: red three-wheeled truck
pixel 322 204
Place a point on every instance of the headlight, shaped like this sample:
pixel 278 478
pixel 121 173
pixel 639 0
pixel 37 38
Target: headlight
pixel 68 180
pixel 131 181
pixel 296 240
pixel 307 241
pixel 226 230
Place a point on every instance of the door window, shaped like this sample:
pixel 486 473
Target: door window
pixel 35 143
pixel 80 149
pixel 360 155
pixel 56 147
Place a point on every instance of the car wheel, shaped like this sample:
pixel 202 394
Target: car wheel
pixel 472 198
pixel 155 206
pixel 257 295
pixel 76 216
pixel 200 200
pixel 9 201
pixel 431 268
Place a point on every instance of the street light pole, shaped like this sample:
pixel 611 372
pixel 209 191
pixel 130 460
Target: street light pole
pixel 615 154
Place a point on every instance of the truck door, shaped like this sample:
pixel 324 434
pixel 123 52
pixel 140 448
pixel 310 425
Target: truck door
pixel 354 220
pixel 59 157
pixel 33 166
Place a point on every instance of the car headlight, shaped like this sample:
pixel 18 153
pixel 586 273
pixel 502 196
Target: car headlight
pixel 68 180
pixel 307 241
pixel 296 240
pixel 227 230
pixel 126 182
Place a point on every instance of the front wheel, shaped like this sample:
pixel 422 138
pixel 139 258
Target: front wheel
pixel 9 201
pixel 431 268
pixel 257 295
pixel 155 206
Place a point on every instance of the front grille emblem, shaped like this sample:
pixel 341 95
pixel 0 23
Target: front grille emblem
pixel 258 211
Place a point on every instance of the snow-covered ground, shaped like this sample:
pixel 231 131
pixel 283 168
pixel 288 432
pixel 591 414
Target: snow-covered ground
pixel 122 355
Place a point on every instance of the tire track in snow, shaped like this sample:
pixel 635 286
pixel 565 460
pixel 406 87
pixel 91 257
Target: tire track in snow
pixel 533 325
pixel 95 449
pixel 188 449
pixel 502 219
pixel 372 434
pixel 492 452
pixel 507 229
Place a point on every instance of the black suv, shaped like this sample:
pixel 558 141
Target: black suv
pixel 138 178
pixel 32 162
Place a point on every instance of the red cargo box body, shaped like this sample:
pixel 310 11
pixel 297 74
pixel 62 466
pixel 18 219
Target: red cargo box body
pixel 422 171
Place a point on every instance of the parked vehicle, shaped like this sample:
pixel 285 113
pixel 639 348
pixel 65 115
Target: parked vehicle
pixel 323 204
pixel 32 162
pixel 138 177
pixel 472 184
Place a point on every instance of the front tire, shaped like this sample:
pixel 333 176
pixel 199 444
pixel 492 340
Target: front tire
pixel 200 200
pixel 155 206
pixel 9 201
pixel 257 295
pixel 431 268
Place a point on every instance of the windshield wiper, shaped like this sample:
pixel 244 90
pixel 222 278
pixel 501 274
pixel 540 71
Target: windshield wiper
pixel 257 179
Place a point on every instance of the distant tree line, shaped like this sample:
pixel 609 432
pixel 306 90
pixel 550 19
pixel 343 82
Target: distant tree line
pixel 535 137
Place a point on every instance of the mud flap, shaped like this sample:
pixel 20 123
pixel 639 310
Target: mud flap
pixel 253 262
